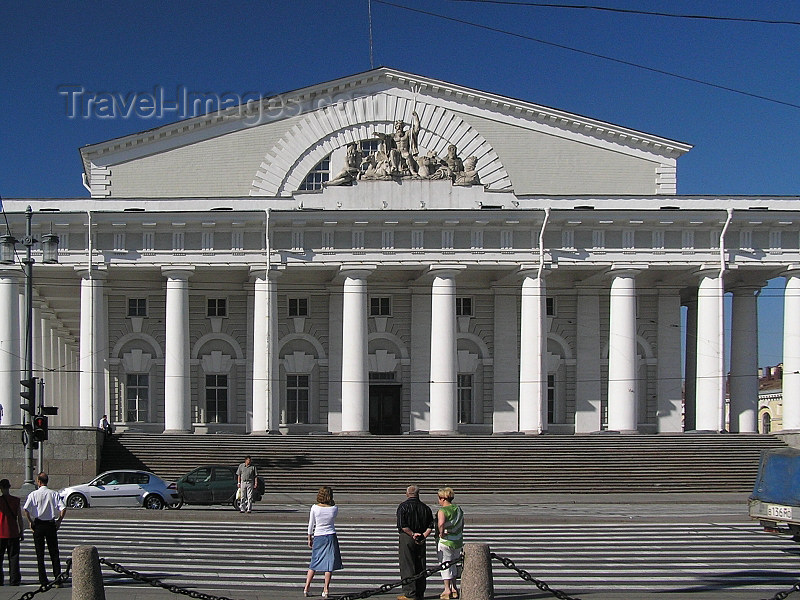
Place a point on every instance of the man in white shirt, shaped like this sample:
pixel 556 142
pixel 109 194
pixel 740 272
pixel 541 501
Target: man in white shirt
pixel 45 510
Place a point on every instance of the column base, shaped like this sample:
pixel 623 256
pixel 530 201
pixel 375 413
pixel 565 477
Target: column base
pixel 444 432
pixel 354 433
pixel 173 431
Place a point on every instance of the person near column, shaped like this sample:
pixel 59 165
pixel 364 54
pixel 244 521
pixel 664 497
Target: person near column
pixel 11 533
pixel 246 474
pixel 45 510
pixel 450 532
pixel 414 525
pixel 325 554
pixel 106 425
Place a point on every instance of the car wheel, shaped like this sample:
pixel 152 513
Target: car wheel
pixel 176 505
pixel 235 503
pixel 77 501
pixel 154 502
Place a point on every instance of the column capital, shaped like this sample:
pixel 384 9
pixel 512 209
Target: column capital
pixel 356 271
pixel 177 272
pixel 264 272
pixel 791 271
pixel 95 272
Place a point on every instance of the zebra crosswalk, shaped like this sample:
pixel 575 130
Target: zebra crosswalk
pixel 574 558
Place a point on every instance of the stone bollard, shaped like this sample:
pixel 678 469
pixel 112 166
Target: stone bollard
pixel 476 579
pixel 87 576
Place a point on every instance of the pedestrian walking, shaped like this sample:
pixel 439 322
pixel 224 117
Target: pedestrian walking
pixel 246 475
pixel 414 525
pixel 450 533
pixel 45 510
pixel 11 533
pixel 322 540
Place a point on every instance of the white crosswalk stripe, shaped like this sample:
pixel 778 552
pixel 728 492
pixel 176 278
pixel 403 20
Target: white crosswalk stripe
pixel 573 558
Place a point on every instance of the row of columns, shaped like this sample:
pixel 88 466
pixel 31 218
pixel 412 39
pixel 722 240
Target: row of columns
pixel 704 368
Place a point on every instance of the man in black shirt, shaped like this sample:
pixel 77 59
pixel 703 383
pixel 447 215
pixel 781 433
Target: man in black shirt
pixel 414 525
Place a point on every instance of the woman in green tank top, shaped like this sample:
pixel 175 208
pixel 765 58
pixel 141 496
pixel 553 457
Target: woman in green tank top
pixel 450 531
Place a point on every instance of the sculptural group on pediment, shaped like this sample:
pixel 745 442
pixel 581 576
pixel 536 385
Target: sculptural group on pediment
pixel 398 156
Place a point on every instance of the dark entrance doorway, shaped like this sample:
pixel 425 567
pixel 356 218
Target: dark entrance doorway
pixel 385 409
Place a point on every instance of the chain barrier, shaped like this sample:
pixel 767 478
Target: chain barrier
pixel 386 587
pixel 782 595
pixel 390 586
pixel 57 582
pixel 157 583
pixel 507 562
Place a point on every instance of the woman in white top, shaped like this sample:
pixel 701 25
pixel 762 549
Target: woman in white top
pixel 322 540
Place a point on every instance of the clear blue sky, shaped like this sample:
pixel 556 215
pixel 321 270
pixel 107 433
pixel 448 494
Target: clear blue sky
pixel 743 145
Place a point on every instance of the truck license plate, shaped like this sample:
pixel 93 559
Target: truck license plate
pixel 779 512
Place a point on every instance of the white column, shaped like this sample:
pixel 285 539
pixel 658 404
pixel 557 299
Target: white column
pixel 177 399
pixel 266 397
pixel 46 366
pixel 532 356
pixel 443 399
pixel 622 414
pixel 10 362
pixel 710 378
pixel 355 368
pixel 92 351
pixel 690 367
pixel 791 352
pixel 669 387
pixel 744 361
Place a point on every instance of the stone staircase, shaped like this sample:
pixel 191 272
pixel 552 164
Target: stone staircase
pixel 603 463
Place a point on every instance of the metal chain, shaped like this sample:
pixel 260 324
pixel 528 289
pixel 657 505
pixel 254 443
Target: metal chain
pixel 58 581
pixel 157 583
pixel 390 586
pixel 782 595
pixel 528 577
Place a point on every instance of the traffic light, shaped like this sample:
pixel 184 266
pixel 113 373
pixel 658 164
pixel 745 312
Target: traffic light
pixel 39 428
pixel 29 394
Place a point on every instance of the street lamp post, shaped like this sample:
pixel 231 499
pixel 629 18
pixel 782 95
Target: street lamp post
pixel 49 244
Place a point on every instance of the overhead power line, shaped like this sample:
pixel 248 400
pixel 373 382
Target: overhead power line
pixel 632 11
pixel 593 54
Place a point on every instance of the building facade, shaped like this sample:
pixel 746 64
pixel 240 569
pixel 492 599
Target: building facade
pixel 387 253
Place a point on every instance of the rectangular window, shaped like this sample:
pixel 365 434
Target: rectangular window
pixel 217 307
pixel 216 398
pixel 298 307
pixel 380 306
pixel 550 306
pixel 297 394
pixel 137 307
pixel 465 397
pixel 464 306
pixel 551 398
pixel 137 396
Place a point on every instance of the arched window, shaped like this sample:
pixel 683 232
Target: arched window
pixel 766 423
pixel 318 175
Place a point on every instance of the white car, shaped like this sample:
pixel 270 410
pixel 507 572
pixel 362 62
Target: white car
pixel 124 487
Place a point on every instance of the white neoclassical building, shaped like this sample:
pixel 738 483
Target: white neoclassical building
pixel 390 253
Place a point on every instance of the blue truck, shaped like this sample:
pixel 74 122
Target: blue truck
pixel 775 501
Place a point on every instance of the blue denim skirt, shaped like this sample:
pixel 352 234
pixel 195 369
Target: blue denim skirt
pixel 325 554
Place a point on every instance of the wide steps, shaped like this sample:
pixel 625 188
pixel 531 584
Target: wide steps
pixel 602 463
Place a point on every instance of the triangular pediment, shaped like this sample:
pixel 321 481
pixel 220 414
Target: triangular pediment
pixel 266 148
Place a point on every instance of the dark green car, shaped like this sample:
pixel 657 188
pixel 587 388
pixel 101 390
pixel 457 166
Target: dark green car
pixel 213 484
